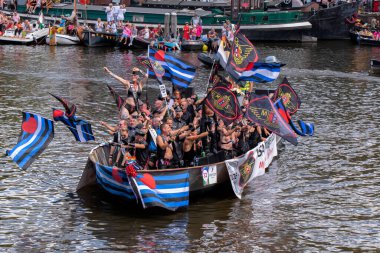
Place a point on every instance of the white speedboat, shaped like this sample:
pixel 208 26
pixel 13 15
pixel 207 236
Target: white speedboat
pixel 35 37
pixel 62 40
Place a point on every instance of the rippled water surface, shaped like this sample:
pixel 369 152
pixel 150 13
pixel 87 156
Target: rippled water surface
pixel 322 195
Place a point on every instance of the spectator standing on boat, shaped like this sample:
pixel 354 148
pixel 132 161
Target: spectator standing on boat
pixel 194 33
pixel 140 147
pixel 121 12
pixel 15 17
pixel 230 35
pixel 196 20
pixel 109 12
pixel 230 25
pixel 115 12
pixel 224 29
pixel 186 31
pixel 157 32
pixel 99 25
pixel 199 31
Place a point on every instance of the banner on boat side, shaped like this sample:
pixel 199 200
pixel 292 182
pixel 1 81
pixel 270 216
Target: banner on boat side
pixel 209 175
pixel 253 164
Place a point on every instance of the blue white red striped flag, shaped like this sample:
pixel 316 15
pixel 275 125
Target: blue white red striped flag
pixel 179 72
pixel 36 134
pixel 169 189
pixel 114 181
pixel 81 129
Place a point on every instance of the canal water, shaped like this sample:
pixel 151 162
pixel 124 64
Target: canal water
pixel 322 195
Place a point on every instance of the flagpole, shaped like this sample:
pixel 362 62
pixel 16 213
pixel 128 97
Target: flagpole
pixel 209 76
pixel 147 70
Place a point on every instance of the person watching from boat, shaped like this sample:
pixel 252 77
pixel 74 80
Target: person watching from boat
pixel 199 31
pixel 113 27
pixel 16 17
pixel 121 12
pixel 164 148
pixel 109 12
pixel 126 35
pixel 212 39
pixel 18 29
pixel 186 31
pixel 115 12
pixel 231 26
pixel 99 25
pixel 158 32
pixel 195 20
pixel 134 33
pixel 193 33
pixel 178 122
pixel 145 33
pixel 224 29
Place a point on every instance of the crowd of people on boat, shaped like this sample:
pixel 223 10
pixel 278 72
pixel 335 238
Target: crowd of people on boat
pixel 369 30
pixel 20 27
pixel 178 130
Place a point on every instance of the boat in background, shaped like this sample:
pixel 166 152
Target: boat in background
pixel 191 45
pixel 207 59
pixel 375 66
pixel 100 39
pixel 362 39
pixel 62 40
pixel 36 37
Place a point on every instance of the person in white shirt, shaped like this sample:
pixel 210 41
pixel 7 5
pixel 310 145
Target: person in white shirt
pixel 120 15
pixel 115 12
pixel 109 12
pixel 99 26
pixel 145 32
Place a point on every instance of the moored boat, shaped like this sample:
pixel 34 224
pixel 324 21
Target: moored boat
pixel 207 59
pixel 191 45
pixel 375 66
pixel 100 39
pixel 172 188
pixel 62 40
pixel 141 43
pixel 360 39
pixel 35 37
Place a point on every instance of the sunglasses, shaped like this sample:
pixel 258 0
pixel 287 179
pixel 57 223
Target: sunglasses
pixel 135 116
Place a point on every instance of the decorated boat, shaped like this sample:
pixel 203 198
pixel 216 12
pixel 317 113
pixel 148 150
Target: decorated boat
pixel 35 37
pixel 191 45
pixel 172 188
pixel 167 45
pixel 100 39
pixel 375 66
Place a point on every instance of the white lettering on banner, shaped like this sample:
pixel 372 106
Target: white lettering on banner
pixel 163 90
pixel 242 170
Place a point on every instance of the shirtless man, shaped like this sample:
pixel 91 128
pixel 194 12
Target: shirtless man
pixel 164 148
pixel 189 147
pixel 227 139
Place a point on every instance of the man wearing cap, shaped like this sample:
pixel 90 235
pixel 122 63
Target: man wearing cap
pixel 140 147
pixel 178 122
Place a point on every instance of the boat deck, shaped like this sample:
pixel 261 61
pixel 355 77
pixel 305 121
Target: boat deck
pixel 143 10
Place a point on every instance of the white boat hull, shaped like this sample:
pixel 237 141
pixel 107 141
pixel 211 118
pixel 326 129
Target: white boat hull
pixel 64 40
pixel 30 38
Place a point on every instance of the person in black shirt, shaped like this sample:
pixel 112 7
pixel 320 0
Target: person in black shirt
pixel 140 148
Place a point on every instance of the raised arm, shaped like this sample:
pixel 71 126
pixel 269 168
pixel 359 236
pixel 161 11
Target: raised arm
pixel 126 83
